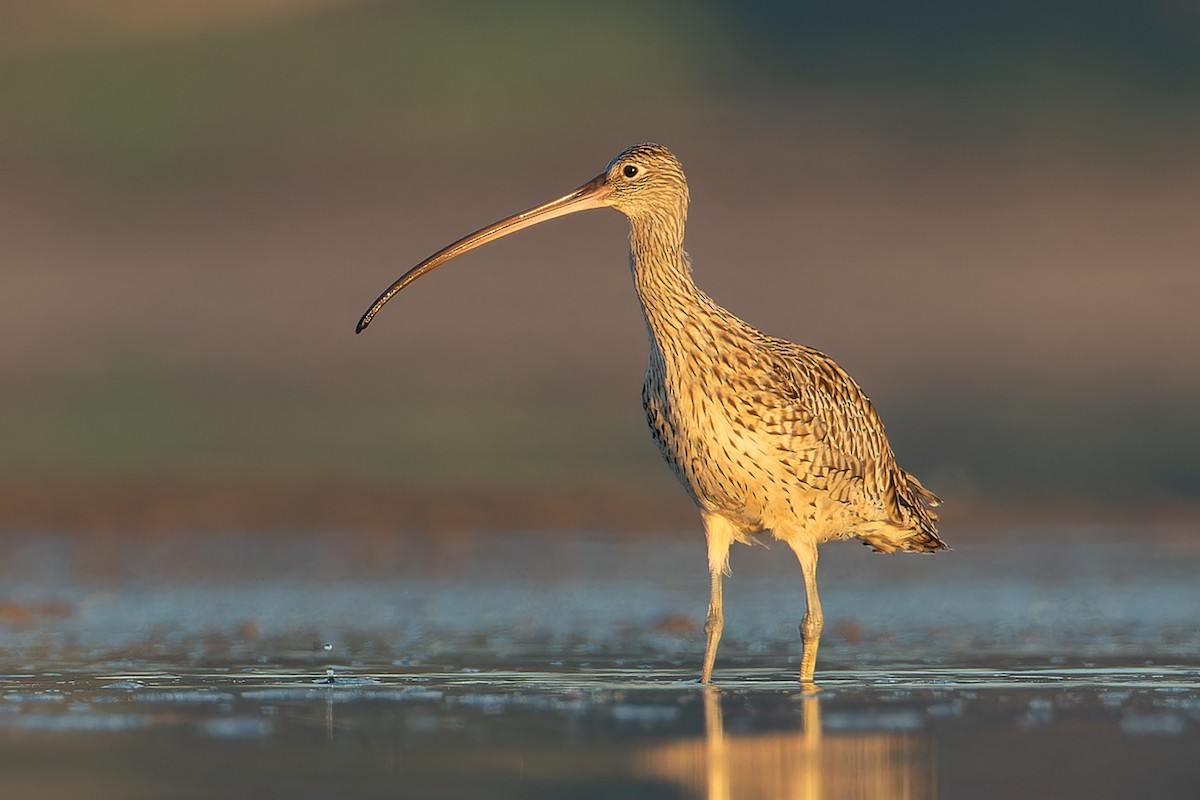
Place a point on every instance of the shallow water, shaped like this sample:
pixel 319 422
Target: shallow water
pixel 1023 664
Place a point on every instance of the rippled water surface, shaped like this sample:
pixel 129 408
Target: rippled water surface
pixel 1057 663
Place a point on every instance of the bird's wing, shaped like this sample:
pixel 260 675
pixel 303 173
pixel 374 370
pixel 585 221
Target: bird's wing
pixel 826 428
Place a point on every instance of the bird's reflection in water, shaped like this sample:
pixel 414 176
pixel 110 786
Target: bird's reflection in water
pixel 799 765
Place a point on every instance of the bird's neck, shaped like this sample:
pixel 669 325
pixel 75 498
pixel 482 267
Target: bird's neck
pixel 662 274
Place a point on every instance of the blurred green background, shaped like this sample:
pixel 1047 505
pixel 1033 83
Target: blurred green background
pixel 985 212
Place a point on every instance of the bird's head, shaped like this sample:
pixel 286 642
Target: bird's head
pixel 645 183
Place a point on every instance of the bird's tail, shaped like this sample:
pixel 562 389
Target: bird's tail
pixel 920 503
pixel 928 498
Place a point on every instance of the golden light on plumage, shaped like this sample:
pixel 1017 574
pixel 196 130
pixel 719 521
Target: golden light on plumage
pixel 766 436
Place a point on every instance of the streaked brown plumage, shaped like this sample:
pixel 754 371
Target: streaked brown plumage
pixel 766 436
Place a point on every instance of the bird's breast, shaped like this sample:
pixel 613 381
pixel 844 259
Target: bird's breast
pixel 725 467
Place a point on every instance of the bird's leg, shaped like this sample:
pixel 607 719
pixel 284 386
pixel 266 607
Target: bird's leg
pixel 719 533
pixel 713 625
pixel 810 626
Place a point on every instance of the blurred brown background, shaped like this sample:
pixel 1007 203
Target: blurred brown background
pixel 986 215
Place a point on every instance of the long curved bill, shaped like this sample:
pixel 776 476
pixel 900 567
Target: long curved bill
pixel 591 195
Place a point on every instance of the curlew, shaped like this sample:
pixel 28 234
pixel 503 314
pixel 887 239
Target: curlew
pixel 766 436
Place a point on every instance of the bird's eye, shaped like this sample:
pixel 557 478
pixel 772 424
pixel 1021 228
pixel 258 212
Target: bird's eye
pixel 630 171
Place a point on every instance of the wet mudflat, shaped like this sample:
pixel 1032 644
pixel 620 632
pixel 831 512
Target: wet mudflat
pixel 1026 663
